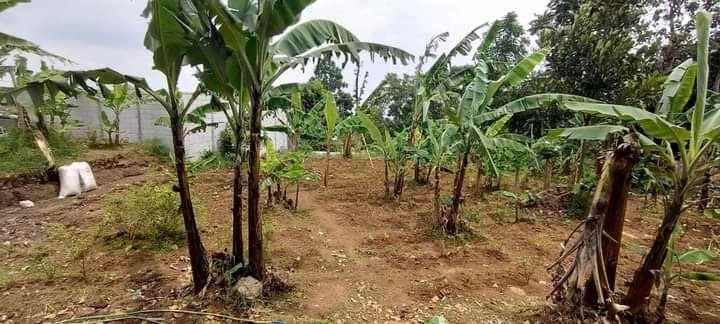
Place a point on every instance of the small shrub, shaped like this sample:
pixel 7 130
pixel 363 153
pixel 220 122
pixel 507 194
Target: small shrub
pixel 41 267
pixel 75 246
pixel 147 214
pixel 157 148
pixel 209 161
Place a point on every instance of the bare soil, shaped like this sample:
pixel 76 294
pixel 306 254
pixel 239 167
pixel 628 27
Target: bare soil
pixel 352 255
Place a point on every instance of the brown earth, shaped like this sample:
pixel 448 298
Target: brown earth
pixel 352 255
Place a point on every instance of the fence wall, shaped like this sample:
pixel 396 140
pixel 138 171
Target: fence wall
pixel 137 124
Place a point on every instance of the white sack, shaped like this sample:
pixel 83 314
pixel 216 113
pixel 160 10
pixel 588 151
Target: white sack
pixel 69 181
pixel 87 180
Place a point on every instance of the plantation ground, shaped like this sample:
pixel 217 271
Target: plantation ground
pixel 352 256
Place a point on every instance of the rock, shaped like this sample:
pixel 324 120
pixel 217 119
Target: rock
pixel 247 288
pixel 27 204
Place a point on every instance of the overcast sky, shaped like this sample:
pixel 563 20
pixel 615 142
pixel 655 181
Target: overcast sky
pixel 109 33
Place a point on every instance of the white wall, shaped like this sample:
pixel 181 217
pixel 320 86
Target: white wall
pixel 137 124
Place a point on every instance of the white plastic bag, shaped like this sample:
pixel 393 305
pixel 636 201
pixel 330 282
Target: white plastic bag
pixel 87 180
pixel 69 181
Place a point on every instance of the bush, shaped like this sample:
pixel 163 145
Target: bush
pixel 20 153
pixel 75 246
pixel 146 215
pixel 155 147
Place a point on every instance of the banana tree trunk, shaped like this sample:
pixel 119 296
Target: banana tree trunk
pixel 623 159
pixel 436 196
pixel 40 139
pixel 387 180
pixel 641 286
pixel 297 195
pixel 327 163
pixel 705 192
pixel 347 146
pixel 117 128
pixel 256 263
pixel 237 208
pixel 479 177
pixel 451 220
pixel 196 250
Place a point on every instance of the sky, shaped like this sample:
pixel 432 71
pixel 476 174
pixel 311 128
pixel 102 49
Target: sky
pixel 109 33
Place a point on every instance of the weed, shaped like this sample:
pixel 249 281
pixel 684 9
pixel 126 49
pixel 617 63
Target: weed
pixel 5 277
pixel 158 149
pixel 40 266
pixel 147 214
pixel 76 246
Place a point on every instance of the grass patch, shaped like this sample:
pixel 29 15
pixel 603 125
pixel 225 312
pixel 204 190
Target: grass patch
pixel 147 217
pixel 20 153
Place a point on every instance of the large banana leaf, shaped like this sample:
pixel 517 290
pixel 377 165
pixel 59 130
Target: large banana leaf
pixel 529 103
pixel 167 38
pixel 682 77
pixel 9 43
pixel 246 11
pixel 7 4
pixel 653 125
pixel 517 74
pixel 311 34
pixel 593 133
pixel 498 126
pixel 275 16
pixel 475 92
pixel 331 114
pixel 350 51
pixel 372 129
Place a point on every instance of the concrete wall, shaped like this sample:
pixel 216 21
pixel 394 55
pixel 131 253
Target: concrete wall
pixel 137 124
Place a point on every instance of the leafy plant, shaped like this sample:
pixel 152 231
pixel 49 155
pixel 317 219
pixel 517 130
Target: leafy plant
pixel 76 246
pixel 146 215
pixel 118 98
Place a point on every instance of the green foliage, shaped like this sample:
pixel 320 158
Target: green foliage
pixel 40 266
pixel 155 147
pixel 210 160
pixel 76 246
pixel 437 320
pixel 226 143
pixel 20 154
pixel 147 215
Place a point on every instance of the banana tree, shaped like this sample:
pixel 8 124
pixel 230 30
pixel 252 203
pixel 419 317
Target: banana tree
pixel 391 147
pixel 331 118
pixel 433 84
pixel 117 98
pixel 167 38
pixel 497 140
pixel 261 49
pixel 476 98
pixel 295 122
pixel 296 172
pixel 438 148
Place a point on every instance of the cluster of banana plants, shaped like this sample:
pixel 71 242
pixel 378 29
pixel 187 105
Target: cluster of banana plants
pixel 283 170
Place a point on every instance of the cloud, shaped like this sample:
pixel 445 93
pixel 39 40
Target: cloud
pixel 100 33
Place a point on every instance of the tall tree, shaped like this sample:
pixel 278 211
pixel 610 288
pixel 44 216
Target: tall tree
pixel 598 46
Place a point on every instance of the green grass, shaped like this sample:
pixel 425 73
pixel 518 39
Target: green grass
pixel 20 154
